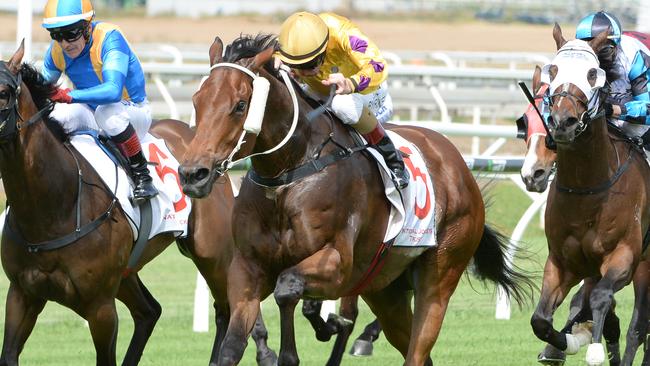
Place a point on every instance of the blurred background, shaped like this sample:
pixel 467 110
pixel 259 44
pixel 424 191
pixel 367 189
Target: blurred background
pixel 453 66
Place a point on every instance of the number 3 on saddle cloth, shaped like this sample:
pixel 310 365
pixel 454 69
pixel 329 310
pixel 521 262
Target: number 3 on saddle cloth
pixel 412 217
pixel 170 208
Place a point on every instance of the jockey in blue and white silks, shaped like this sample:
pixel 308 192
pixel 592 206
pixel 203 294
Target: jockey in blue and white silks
pixel 109 84
pixel 626 60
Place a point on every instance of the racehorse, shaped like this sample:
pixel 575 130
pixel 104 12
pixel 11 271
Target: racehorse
pixel 52 190
pixel 597 173
pixel 539 161
pixel 317 237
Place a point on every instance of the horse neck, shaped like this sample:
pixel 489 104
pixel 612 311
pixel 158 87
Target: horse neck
pixel 277 123
pixel 590 160
pixel 38 174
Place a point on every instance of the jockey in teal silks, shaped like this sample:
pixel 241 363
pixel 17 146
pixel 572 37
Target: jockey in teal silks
pixel 109 84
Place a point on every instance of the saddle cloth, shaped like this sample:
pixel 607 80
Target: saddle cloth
pixel 412 215
pixel 170 208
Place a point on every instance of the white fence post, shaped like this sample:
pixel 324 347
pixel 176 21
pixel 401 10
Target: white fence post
pixel 24 29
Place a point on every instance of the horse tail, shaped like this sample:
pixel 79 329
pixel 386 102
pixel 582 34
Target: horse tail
pixel 491 262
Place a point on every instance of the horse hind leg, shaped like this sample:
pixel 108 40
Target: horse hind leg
pixel 265 356
pixel 363 345
pixel 348 310
pixel 21 314
pixel 145 311
pixel 392 306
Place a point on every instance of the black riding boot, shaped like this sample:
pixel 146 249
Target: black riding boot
pixel 129 145
pixel 394 161
pixel 144 189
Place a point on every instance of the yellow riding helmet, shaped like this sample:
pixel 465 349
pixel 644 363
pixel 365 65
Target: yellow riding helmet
pixel 303 36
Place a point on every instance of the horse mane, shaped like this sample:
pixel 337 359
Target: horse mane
pixel 41 90
pixel 247 46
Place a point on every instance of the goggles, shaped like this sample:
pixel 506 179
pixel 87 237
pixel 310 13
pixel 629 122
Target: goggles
pixel 312 64
pixel 69 35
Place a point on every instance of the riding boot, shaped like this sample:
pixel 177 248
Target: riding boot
pixel 129 145
pixel 376 136
pixel 394 161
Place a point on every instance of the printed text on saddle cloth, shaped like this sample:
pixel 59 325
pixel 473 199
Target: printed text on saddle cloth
pixel 412 219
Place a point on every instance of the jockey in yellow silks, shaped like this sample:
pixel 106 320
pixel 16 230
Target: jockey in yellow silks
pixel 311 45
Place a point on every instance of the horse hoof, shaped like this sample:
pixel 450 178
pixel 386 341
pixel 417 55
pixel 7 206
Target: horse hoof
pixel 361 348
pixel 595 354
pixel 551 356
pixel 269 359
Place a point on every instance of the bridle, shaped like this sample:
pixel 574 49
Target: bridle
pixel 592 107
pixel 228 163
pixel 10 119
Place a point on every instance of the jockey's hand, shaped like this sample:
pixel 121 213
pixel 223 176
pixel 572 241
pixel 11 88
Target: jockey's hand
pixel 343 84
pixel 612 110
pixel 62 95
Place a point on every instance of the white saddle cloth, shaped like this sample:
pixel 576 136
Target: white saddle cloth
pixel 412 216
pixel 170 208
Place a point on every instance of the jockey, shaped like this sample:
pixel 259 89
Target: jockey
pixel 312 44
pixel 109 85
pixel 627 63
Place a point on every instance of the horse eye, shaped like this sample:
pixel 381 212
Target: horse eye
pixel 241 107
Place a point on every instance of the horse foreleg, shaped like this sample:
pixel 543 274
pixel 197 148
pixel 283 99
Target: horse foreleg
pixel 617 274
pixel 20 317
pixel 363 344
pixel 102 321
pixel 145 311
pixel 348 311
pixel 244 281
pixel 318 274
pixel 265 356
pixel 636 333
pixel 555 287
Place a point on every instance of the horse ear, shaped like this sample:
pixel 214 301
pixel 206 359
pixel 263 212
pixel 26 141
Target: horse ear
pixel 17 58
pixel 537 79
pixel 557 36
pixel 552 72
pixel 262 58
pixel 216 51
pixel 599 41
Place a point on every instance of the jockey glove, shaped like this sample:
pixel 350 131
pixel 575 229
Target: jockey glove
pixel 62 96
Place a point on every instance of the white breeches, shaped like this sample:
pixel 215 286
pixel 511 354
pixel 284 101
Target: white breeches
pixel 348 107
pixel 109 119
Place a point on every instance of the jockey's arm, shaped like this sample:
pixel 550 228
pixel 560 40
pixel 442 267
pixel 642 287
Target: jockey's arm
pixel 636 110
pixel 367 57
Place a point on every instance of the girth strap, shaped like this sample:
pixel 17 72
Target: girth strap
pixel 311 167
pixel 62 241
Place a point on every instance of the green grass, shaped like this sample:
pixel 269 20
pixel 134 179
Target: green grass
pixel 470 334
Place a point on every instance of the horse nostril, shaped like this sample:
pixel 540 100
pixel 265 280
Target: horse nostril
pixel 571 121
pixel 201 174
pixel 538 173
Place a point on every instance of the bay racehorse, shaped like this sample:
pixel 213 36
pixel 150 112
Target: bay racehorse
pixel 52 190
pixel 596 214
pixel 539 162
pixel 317 237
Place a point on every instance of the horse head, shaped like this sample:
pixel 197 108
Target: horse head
pixel 575 79
pixel 230 109
pixel 539 159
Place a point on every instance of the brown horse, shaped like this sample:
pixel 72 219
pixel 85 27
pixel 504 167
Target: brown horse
pixel 539 162
pixel 52 190
pixel 316 237
pixel 596 215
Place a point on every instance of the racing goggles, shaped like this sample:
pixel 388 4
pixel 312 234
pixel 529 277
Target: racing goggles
pixel 312 64
pixel 69 35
